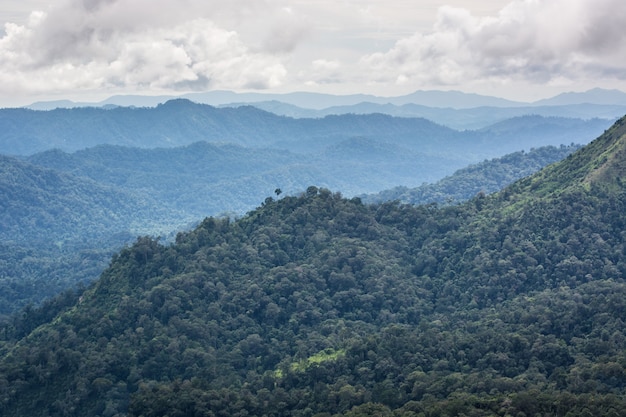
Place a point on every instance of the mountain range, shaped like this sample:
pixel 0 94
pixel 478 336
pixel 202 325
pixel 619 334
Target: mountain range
pixel 320 305
pixel 449 108
pixel 82 182
pixel 319 101
pixel 182 122
pixel 65 214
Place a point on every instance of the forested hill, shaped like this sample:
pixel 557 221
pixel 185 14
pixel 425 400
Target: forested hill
pixel 315 304
pixel 65 214
pixel 602 165
pixel 46 206
pixel 180 122
pixel 485 177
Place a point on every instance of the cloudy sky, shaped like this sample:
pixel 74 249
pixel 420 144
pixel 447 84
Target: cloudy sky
pixel 517 49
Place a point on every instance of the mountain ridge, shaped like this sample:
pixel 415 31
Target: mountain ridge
pixel 317 304
pixel 319 101
pixel 182 122
pixel 75 219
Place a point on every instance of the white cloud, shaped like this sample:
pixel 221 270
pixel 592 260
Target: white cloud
pixel 537 41
pixel 394 47
pixel 94 44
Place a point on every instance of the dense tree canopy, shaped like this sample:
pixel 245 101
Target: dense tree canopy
pixel 318 305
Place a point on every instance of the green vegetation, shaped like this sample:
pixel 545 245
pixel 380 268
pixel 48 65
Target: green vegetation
pixel 326 355
pixel 486 177
pixel 507 305
pixel 64 215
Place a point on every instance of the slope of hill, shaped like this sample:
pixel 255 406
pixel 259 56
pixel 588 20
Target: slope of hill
pixel 66 213
pixel 57 230
pixel 600 166
pixel 320 305
pixel 60 207
pixel 206 179
pixel 486 177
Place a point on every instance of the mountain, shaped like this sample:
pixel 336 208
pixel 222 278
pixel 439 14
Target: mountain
pixel 459 119
pixel 596 96
pixel 65 214
pixel 57 230
pixel 485 177
pixel 180 123
pixel 315 304
pixel 308 100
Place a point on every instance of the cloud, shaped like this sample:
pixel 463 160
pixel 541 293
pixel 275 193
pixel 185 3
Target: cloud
pixel 537 41
pixel 95 44
pixel 287 31
pixel 322 71
pixel 141 45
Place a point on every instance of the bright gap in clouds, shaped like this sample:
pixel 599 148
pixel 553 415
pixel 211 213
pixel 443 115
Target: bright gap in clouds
pixel 385 48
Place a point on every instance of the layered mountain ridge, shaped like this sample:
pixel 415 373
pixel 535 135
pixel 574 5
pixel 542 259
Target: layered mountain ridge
pixel 320 305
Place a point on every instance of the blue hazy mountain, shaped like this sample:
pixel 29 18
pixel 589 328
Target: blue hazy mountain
pixel 449 108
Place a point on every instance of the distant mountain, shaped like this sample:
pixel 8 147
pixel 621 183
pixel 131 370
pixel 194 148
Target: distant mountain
pixel 451 99
pixel 595 96
pixel 182 122
pixel 459 119
pixel 453 109
pixel 319 305
pixel 317 101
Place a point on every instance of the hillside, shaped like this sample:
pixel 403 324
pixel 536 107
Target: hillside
pixel 57 230
pixel 61 207
pixel 209 179
pixel 486 177
pixel 320 305
pixel 601 166
pixel 65 214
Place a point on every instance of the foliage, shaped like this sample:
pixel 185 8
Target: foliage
pixel 486 177
pixel 65 214
pixel 318 305
pixel 511 304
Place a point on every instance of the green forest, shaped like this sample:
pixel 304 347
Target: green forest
pixel 316 305
pixel 64 215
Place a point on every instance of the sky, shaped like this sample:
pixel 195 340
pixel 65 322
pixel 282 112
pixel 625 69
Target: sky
pixel 88 50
